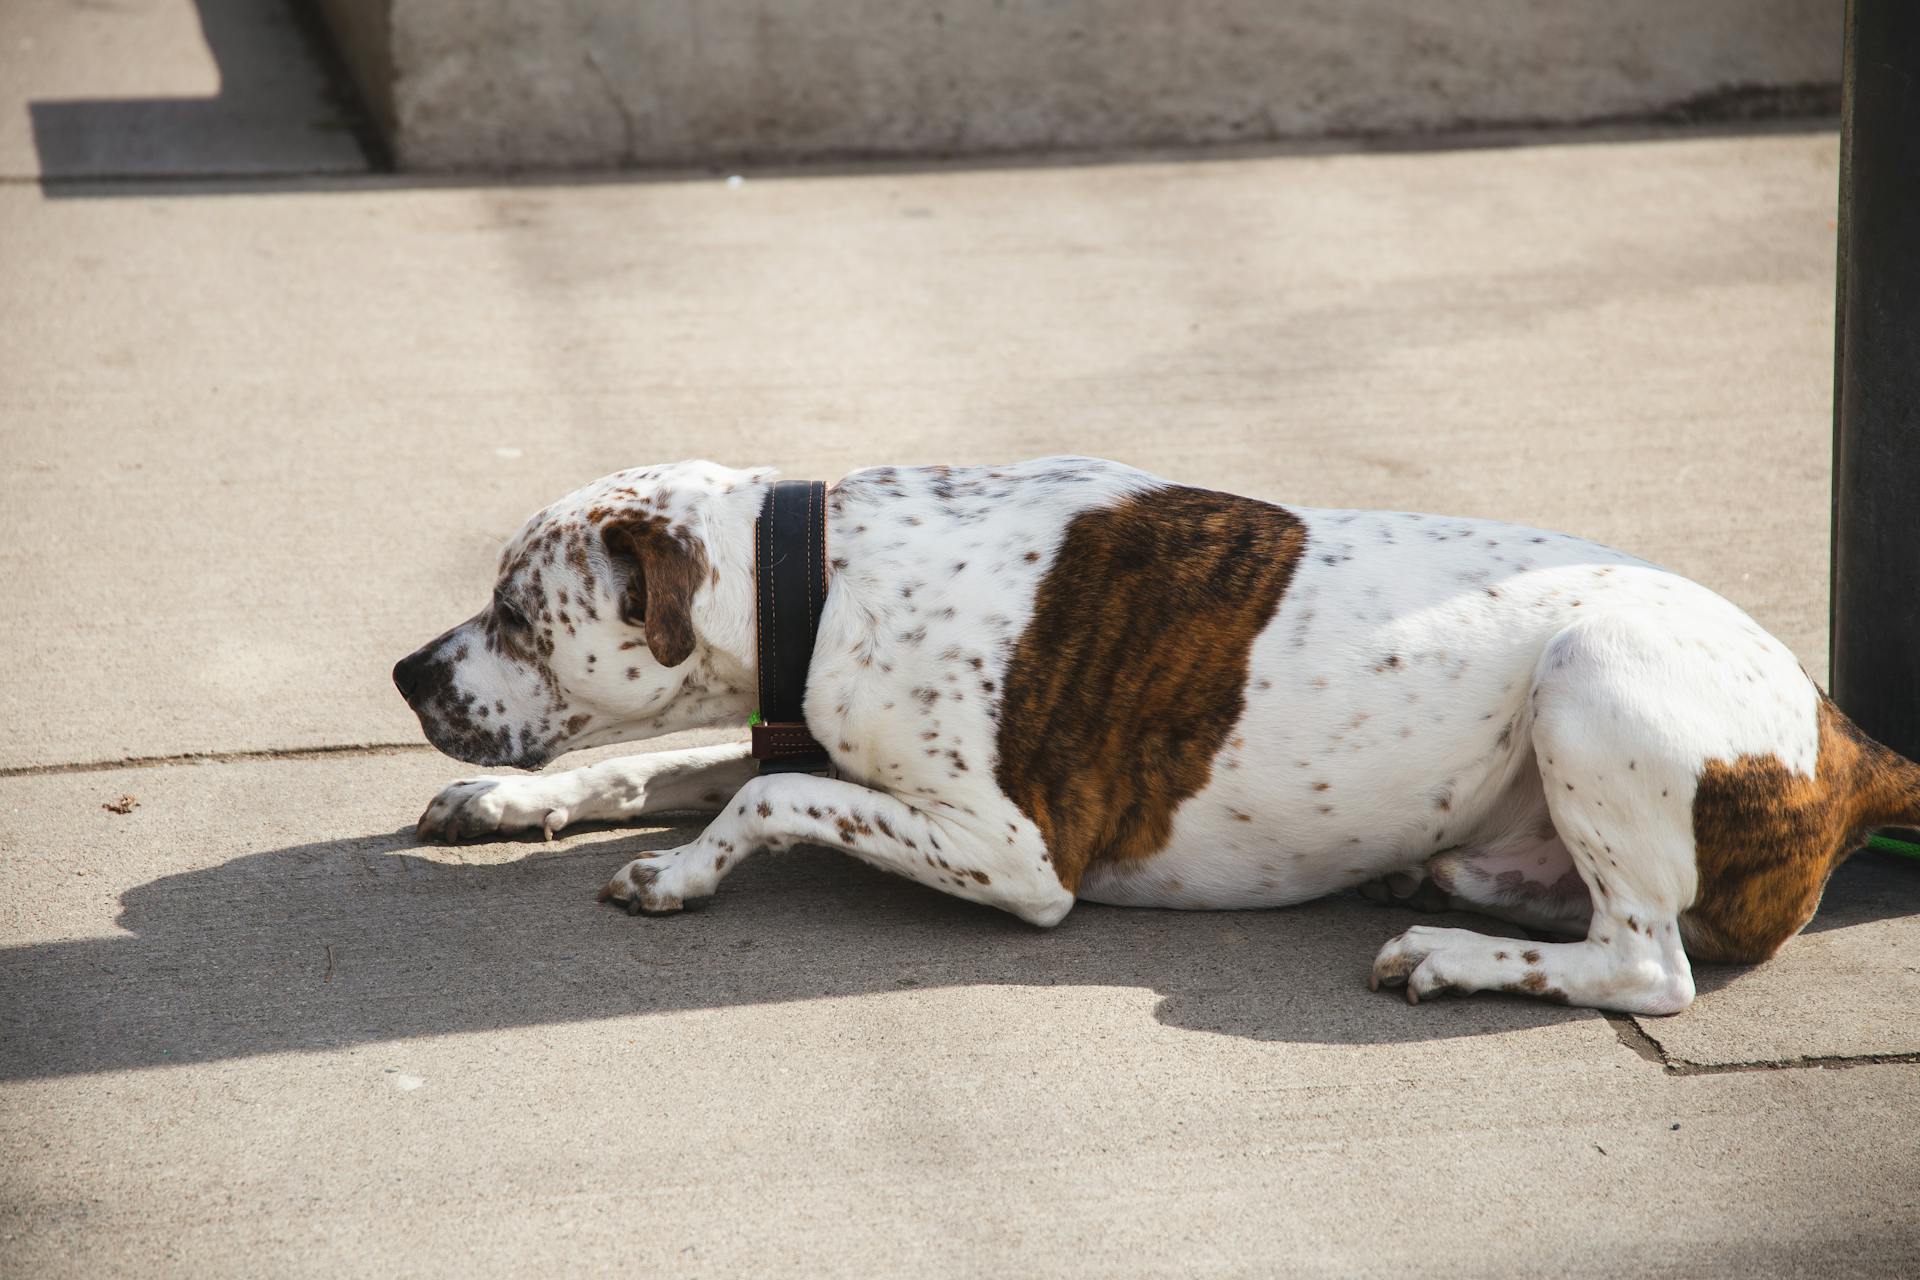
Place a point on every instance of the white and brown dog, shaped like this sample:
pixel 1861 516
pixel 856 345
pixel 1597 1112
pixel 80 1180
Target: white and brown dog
pixel 1069 679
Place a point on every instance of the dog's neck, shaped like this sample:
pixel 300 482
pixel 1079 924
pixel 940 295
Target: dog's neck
pixel 722 689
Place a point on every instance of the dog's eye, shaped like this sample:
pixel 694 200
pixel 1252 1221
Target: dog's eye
pixel 508 612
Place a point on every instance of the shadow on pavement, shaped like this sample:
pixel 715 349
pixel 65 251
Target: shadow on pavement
pixel 323 945
pixel 285 107
pixel 381 175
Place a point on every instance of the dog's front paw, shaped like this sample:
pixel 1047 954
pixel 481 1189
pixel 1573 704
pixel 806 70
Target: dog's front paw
pixel 475 807
pixel 647 885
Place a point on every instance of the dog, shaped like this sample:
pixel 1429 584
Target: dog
pixel 1070 679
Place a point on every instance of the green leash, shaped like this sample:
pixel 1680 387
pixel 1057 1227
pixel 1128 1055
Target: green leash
pixel 1887 844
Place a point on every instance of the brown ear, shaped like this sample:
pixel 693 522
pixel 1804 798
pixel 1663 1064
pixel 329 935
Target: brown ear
pixel 667 570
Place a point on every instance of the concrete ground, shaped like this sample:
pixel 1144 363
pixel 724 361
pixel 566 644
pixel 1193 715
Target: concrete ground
pixel 263 435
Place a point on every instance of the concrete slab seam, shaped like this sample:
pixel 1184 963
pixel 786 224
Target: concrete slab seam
pixel 1637 1038
pixel 216 757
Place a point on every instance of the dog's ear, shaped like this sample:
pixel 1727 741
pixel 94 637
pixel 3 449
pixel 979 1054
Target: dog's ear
pixel 665 572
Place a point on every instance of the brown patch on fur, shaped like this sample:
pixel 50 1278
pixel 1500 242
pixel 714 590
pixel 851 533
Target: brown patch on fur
pixel 1766 839
pixel 852 827
pixel 1535 984
pixel 668 569
pixel 1133 670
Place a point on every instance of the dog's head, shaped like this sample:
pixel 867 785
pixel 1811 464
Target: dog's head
pixel 622 611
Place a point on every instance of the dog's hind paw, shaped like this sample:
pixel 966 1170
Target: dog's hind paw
pixel 1419 960
pixel 1412 889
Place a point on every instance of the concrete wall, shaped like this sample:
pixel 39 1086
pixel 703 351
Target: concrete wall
pixel 506 84
pixel 362 33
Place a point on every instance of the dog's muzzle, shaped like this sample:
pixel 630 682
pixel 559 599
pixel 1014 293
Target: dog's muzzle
pixel 425 678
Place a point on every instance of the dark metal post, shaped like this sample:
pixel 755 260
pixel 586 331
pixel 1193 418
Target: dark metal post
pixel 1875 620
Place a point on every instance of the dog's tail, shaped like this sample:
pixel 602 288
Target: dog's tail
pixel 1886 785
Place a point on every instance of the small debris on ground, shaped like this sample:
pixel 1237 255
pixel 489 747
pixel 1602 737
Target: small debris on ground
pixel 125 804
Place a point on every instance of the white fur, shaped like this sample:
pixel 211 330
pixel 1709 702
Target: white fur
pixel 1434 695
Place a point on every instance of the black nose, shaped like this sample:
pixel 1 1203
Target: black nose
pixel 408 671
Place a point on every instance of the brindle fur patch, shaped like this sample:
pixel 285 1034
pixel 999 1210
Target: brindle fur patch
pixel 1766 839
pixel 1133 670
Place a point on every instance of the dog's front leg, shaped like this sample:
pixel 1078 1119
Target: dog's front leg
pixel 698 780
pixel 781 810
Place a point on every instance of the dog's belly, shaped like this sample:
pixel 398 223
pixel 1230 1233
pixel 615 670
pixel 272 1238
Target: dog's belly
pixel 1387 712
pixel 1223 856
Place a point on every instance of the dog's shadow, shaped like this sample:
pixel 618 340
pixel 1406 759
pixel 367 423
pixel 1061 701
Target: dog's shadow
pixel 323 945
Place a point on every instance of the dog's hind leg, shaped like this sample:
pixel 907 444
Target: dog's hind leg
pixel 1522 873
pixel 1530 880
pixel 699 780
pixel 1009 871
pixel 1628 709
